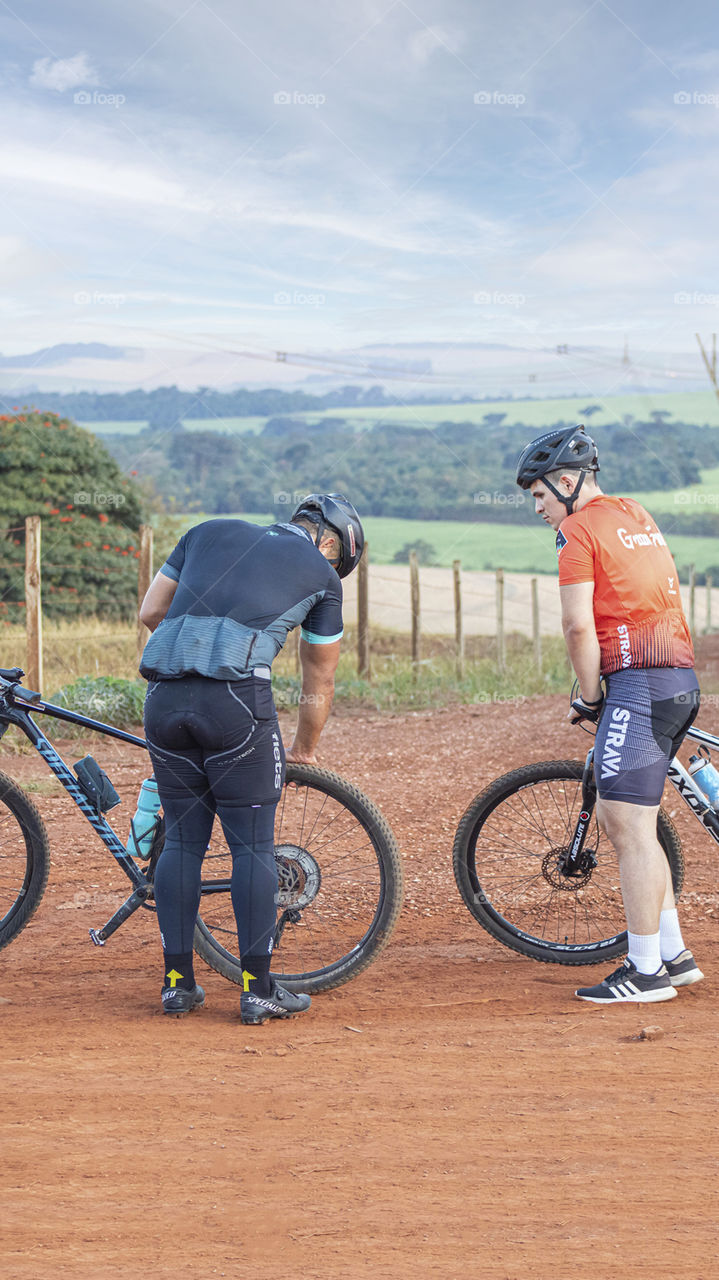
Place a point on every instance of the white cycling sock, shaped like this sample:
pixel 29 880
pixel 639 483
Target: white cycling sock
pixel 670 934
pixel 644 951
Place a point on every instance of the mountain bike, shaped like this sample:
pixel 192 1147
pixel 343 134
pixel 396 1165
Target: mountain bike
pixel 339 873
pixel 537 873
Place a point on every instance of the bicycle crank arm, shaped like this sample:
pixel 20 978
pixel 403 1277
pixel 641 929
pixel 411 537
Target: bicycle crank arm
pixel 135 900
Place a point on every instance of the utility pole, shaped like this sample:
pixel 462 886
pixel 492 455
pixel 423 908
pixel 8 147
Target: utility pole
pixel 711 365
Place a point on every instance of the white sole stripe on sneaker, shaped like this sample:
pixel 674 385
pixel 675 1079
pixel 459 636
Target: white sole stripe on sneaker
pixel 686 979
pixel 642 997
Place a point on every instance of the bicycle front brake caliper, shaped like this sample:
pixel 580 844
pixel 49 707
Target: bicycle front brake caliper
pixel 576 861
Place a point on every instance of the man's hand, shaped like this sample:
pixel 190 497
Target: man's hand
pixel 299 757
pixel 581 709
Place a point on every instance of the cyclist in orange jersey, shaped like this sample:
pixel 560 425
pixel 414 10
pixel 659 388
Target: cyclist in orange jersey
pixel 623 623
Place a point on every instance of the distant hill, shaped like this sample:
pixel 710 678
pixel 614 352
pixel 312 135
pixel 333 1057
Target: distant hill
pixel 64 351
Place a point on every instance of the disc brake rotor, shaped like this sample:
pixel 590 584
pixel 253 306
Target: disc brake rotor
pixel 298 874
pixel 553 874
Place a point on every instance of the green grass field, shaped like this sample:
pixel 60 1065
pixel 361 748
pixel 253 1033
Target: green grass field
pixel 697 407
pixel 484 546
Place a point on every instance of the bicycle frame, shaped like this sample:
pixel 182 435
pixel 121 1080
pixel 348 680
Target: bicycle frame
pixel 575 861
pixel 17 713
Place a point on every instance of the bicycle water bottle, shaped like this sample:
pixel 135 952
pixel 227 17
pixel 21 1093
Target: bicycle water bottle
pixel 706 778
pixel 142 827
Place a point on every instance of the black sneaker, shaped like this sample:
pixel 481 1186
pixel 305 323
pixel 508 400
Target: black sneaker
pixel 177 1001
pixel 630 986
pixel 278 1004
pixel 683 970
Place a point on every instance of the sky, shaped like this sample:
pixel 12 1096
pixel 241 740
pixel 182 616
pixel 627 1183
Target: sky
pixel 317 178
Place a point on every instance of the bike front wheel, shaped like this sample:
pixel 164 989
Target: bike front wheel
pixel 339 886
pixel 508 852
pixel 24 859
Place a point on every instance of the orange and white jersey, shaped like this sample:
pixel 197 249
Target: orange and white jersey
pixel 614 543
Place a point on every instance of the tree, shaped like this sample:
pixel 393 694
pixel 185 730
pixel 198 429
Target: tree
pixel 426 553
pixel 90 513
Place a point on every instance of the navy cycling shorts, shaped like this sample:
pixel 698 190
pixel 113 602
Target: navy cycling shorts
pixel 644 719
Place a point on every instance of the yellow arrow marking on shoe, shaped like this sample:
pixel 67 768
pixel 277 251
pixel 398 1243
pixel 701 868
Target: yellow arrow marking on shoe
pixel 173 975
pixel 247 978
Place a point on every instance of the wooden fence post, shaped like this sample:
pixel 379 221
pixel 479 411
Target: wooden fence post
pixel 33 606
pixel 414 599
pixel 536 633
pixel 458 629
pixel 692 599
pixel 500 618
pixel 144 578
pixel 709 604
pixel 363 663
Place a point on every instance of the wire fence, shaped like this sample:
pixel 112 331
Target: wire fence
pixel 423 604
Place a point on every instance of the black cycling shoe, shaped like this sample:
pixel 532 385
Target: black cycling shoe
pixel 278 1004
pixel 177 1001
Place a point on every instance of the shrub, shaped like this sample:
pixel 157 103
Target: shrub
pixel 108 698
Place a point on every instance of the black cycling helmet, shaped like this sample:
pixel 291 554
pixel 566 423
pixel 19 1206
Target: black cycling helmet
pixel 333 511
pixel 569 449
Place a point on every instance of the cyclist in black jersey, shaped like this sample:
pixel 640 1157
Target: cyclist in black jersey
pixel 220 610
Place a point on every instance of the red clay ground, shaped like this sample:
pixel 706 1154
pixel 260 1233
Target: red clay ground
pixel 478 1122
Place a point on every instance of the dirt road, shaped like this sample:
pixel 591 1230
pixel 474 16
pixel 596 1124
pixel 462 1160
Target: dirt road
pixel 453 1112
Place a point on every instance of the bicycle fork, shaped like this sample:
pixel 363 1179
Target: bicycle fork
pixel 576 861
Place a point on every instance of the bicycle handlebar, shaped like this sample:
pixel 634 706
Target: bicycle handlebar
pixel 10 678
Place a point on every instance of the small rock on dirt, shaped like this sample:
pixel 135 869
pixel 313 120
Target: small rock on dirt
pixel 650 1033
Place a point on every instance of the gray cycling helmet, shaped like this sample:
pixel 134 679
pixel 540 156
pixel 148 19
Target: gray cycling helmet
pixel 335 512
pixel 568 449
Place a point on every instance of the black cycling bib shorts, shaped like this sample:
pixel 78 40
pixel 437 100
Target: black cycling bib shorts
pixel 643 723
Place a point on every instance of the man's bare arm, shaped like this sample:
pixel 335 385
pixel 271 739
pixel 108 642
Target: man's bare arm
pixel 319 663
pixel 158 598
pixel 580 634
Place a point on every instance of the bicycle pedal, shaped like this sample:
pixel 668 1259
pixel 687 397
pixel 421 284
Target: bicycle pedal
pixel 99 942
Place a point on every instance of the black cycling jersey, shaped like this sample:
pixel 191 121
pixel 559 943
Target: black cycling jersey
pixel 241 588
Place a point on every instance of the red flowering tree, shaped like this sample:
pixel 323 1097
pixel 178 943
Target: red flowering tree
pixel 91 512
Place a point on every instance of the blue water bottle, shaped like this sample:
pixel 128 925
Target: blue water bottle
pixel 144 823
pixel 706 777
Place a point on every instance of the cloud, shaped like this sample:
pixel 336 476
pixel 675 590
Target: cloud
pixel 62 73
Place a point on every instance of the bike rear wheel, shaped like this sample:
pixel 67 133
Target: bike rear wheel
pixel 339 886
pixel 24 859
pixel 506 863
